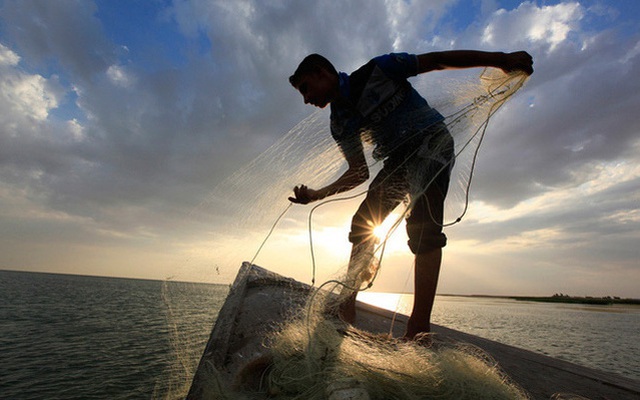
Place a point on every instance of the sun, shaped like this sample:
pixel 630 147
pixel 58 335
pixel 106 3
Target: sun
pixel 381 231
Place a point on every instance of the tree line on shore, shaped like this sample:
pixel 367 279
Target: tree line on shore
pixel 565 298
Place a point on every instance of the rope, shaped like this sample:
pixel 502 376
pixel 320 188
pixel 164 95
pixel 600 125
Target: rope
pixel 273 227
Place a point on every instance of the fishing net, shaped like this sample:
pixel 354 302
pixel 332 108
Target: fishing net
pixel 441 149
pixel 317 358
pixel 256 195
pixel 314 355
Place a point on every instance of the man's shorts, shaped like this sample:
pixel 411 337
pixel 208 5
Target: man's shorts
pixel 423 177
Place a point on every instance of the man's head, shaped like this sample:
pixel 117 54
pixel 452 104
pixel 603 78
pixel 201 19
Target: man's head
pixel 316 79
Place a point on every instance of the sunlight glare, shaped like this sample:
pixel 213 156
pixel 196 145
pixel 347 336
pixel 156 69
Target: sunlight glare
pixel 382 230
pixel 397 302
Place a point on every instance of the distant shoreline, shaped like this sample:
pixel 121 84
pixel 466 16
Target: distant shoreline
pixel 561 298
pixel 557 298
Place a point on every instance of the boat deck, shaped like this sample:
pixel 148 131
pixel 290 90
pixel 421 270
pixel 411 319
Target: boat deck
pixel 259 299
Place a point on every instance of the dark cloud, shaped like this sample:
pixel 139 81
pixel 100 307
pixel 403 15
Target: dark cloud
pixel 65 33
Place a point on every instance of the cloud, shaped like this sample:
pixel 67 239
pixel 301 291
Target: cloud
pixel 65 33
pixel 8 57
pixel 116 149
pixel 26 101
pixel 574 114
pixel 157 137
pixel 119 76
pixel 24 95
pixel 529 24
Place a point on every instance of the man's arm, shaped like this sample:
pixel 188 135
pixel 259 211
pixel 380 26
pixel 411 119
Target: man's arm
pixel 357 174
pixel 518 61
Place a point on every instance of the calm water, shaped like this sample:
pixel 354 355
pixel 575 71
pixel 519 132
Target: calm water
pixel 600 337
pixel 74 337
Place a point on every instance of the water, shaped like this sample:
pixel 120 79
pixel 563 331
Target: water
pixel 599 337
pixel 76 337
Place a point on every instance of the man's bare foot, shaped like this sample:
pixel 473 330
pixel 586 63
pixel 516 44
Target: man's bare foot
pixel 415 329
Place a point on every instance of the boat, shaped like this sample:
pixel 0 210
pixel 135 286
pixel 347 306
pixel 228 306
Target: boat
pixel 259 300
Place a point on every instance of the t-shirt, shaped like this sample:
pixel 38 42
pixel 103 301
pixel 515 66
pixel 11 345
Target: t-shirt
pixel 379 103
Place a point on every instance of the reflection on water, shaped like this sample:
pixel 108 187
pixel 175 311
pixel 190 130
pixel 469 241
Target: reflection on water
pixel 596 336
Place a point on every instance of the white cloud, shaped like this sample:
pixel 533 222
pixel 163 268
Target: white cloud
pixel 8 57
pixel 22 95
pixel 28 95
pixel 547 26
pixel 120 76
pixel 76 130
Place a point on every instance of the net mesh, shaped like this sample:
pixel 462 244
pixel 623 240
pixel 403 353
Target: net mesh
pixel 313 355
pixel 250 200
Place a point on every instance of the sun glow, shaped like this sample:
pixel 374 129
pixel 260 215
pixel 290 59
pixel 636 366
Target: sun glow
pixel 397 302
pixel 393 231
pixel 381 231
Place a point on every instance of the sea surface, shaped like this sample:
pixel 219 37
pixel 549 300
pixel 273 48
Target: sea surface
pixel 603 337
pixel 79 337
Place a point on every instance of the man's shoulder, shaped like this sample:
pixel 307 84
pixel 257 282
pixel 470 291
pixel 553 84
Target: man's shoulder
pixel 363 72
pixel 398 64
pixel 390 60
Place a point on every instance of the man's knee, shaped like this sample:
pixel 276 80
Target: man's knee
pixel 361 232
pixel 421 242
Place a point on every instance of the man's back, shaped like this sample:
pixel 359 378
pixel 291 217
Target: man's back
pixel 378 99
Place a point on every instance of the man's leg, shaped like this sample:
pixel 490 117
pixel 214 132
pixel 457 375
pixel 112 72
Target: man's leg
pixel 386 192
pixel 426 241
pixel 427 270
pixel 359 271
pixel 425 223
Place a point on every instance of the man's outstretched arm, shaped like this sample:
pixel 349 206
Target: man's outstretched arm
pixel 517 61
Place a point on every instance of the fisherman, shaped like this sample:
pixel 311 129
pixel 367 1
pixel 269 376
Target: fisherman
pixel 376 103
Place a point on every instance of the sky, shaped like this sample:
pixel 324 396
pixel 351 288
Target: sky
pixel 120 121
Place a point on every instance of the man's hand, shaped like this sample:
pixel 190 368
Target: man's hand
pixel 303 195
pixel 518 61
